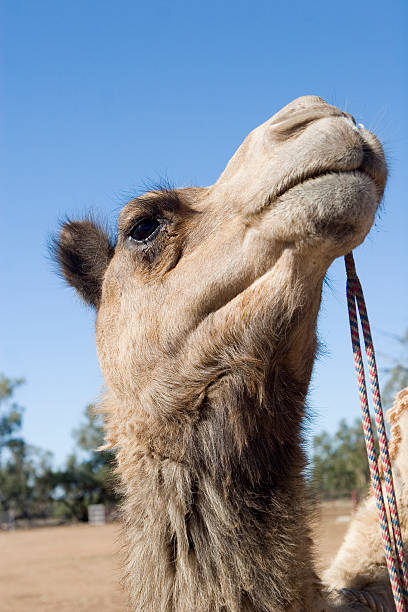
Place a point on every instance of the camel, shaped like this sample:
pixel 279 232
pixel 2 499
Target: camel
pixel 206 307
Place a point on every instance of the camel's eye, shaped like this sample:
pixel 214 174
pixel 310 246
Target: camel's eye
pixel 145 229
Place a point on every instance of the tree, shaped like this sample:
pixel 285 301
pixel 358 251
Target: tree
pixel 10 422
pixel 10 412
pixel 21 465
pixel 90 435
pixel 30 487
pixel 88 480
pixel 21 481
pixel 339 461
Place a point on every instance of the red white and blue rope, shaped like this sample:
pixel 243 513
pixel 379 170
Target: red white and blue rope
pixel 395 558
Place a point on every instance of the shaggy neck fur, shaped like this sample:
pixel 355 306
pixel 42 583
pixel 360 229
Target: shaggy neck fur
pixel 215 502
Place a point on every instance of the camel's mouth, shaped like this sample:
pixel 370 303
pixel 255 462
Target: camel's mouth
pixel 309 177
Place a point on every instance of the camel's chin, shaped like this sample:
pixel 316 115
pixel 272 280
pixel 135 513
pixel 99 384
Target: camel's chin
pixel 348 198
pixel 339 205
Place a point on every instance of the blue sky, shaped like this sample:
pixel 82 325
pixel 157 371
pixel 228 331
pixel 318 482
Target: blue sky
pixel 99 97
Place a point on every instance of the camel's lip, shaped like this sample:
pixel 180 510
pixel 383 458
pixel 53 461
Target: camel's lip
pixel 309 177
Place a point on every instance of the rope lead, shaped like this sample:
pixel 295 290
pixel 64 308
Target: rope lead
pixel 391 534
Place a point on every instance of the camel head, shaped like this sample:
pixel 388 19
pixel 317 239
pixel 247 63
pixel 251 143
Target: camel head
pixel 302 189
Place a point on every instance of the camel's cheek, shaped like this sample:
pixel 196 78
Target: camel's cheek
pixel 127 331
pixel 108 332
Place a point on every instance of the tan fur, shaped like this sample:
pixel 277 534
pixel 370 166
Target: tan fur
pixel 206 338
pixel 396 417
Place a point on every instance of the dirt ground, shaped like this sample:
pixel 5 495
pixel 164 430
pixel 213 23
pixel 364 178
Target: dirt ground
pixel 75 568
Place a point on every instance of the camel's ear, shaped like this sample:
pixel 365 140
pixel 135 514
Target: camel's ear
pixel 83 251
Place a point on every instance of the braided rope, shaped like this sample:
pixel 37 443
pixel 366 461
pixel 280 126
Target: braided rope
pixel 396 564
pixel 364 597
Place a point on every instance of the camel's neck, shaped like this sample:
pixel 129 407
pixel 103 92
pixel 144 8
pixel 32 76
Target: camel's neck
pixel 211 527
pixel 215 502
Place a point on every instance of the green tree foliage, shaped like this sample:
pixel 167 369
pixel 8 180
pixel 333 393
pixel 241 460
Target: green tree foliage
pixel 11 478
pixel 31 488
pixel 22 466
pixel 339 461
pixel 21 481
pixel 89 436
pixel 10 412
pixel 87 477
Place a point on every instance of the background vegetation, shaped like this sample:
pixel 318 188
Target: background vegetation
pixel 31 488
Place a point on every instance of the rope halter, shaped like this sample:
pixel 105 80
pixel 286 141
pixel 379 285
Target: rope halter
pixel 391 533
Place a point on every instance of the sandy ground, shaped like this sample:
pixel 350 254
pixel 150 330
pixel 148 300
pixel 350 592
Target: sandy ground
pixel 75 568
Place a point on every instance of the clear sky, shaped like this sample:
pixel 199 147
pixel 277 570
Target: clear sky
pixel 100 97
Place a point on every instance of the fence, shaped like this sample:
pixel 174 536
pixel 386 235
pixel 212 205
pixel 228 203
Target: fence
pixel 96 514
